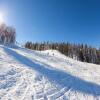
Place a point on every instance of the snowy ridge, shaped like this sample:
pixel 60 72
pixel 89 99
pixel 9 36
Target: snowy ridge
pixel 46 75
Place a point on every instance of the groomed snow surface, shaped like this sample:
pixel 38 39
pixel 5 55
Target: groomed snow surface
pixel 46 75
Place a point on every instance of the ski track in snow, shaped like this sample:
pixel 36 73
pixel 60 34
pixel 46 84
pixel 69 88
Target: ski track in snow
pixel 32 75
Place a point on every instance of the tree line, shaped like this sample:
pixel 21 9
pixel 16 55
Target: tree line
pixel 7 34
pixel 81 52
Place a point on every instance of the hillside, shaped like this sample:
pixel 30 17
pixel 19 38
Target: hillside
pixel 46 75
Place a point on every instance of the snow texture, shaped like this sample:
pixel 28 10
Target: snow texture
pixel 46 75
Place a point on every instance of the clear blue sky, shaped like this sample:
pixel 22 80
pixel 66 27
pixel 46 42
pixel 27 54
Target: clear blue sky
pixel 54 20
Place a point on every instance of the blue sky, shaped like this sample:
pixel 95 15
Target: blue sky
pixel 76 21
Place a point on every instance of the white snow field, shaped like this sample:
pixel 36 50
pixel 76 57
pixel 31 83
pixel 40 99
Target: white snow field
pixel 46 75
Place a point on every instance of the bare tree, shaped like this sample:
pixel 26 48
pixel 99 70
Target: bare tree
pixel 7 34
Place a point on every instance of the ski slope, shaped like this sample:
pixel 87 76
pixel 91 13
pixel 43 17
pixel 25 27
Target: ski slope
pixel 46 75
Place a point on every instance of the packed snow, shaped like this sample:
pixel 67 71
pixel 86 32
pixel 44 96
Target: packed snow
pixel 46 75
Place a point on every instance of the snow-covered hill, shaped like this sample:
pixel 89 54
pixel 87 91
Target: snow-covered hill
pixel 46 75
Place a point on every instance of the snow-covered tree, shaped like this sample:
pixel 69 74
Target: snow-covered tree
pixel 7 34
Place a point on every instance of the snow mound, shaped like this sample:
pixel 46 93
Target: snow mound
pixel 46 75
pixel 53 53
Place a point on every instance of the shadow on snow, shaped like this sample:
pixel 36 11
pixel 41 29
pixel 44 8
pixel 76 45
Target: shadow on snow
pixel 75 83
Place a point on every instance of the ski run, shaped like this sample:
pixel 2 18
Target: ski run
pixel 46 75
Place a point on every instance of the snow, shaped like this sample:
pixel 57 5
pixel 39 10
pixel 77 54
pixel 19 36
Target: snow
pixel 46 75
